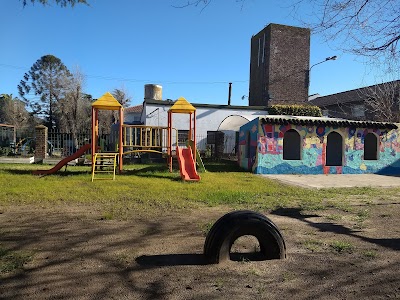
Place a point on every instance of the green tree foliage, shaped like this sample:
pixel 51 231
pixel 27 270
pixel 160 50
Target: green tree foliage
pixel 62 3
pixel 123 98
pixel 44 86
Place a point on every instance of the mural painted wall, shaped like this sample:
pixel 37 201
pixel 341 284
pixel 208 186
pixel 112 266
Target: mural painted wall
pixel 261 150
pixel 248 137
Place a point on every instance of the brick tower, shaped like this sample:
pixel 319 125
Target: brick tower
pixel 279 63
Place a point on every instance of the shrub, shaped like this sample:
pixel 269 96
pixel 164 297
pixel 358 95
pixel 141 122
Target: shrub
pixel 295 110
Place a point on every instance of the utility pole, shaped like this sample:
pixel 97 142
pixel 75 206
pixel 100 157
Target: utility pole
pixel 230 93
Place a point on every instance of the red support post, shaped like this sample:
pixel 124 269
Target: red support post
pixel 120 141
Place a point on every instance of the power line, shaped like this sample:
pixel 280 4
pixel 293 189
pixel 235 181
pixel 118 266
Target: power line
pixel 109 78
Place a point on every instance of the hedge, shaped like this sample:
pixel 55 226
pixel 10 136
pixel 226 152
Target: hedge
pixel 295 110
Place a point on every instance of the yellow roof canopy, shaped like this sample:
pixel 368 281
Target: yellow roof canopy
pixel 182 106
pixel 107 102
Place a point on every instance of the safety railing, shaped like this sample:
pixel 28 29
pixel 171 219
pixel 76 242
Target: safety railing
pixel 140 138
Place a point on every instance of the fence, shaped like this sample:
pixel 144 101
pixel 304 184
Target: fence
pixel 61 144
pixel 65 144
pixel 15 141
pixel 209 149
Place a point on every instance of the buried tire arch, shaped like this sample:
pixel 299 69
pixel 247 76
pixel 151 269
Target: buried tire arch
pixel 230 227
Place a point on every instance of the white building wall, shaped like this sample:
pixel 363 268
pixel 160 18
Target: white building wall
pixel 131 117
pixel 207 119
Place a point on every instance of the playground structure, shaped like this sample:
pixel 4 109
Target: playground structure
pixel 233 225
pixel 135 139
pixel 64 161
pixel 138 138
pixel 186 157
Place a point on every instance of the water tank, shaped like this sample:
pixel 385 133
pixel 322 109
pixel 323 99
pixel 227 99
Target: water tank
pixel 153 91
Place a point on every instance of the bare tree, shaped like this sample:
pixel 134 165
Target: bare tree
pixel 363 27
pixel 73 109
pixel 382 101
pixel 62 3
pixel 13 111
pixel 379 102
pixel 201 3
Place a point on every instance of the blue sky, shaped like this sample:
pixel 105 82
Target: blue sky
pixel 191 52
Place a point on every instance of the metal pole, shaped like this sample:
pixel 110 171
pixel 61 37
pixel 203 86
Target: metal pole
pixel 120 141
pixel 230 93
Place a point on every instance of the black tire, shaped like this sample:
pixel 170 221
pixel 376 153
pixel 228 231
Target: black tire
pixel 235 224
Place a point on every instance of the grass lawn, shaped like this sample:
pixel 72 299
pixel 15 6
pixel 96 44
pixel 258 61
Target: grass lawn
pixel 142 235
pixel 152 187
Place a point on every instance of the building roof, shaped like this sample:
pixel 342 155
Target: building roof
pixel 170 102
pixel 182 106
pixel 107 102
pixel 306 120
pixel 234 122
pixel 352 96
pixel 134 109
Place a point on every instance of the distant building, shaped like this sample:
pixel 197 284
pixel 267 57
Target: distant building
pixel 212 121
pixel 132 114
pixel 377 102
pixel 313 96
pixel 279 64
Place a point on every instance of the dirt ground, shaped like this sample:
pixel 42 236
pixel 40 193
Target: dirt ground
pixel 76 254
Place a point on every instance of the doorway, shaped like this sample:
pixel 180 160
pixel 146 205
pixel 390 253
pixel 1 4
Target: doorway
pixel 334 149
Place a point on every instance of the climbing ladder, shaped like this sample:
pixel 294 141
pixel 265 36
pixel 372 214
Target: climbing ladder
pixel 104 163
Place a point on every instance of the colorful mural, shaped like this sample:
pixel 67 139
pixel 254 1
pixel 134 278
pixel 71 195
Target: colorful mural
pixel 261 149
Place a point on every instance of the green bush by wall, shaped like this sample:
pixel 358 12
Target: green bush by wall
pixel 295 110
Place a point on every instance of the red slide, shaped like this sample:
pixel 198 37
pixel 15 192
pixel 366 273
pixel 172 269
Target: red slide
pixel 186 164
pixel 64 161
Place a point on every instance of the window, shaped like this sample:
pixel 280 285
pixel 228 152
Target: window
pixel 291 145
pixel 183 136
pixel 259 52
pixel 358 110
pixel 211 137
pixel 325 112
pixel 263 53
pixel 370 147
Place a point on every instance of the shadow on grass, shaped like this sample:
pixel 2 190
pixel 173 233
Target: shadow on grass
pixel 17 172
pixel 222 166
pixel 149 171
pixel 61 172
pixel 156 171
pixel 58 173
pixel 295 213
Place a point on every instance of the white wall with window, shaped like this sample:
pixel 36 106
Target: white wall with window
pixel 208 118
